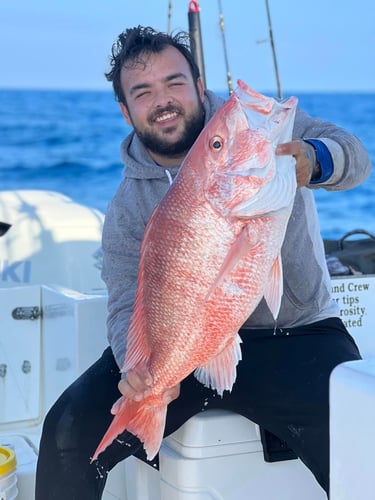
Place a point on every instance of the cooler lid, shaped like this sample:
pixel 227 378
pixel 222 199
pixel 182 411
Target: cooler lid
pixel 214 432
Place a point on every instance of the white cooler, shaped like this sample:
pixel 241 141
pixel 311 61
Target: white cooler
pixel 218 455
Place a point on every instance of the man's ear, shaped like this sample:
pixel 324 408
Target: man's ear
pixel 125 113
pixel 200 89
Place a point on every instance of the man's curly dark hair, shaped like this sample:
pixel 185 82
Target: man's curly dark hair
pixel 133 43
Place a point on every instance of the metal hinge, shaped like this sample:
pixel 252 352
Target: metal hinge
pixel 32 312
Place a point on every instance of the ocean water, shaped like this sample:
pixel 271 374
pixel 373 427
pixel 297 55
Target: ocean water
pixel 68 141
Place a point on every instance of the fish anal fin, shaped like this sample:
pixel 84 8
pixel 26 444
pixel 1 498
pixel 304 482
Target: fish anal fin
pixel 220 372
pixel 274 289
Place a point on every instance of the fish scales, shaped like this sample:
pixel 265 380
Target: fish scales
pixel 210 253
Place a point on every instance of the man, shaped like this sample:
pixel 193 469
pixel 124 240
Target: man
pixel 282 381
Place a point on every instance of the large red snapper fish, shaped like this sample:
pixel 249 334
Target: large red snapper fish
pixel 210 252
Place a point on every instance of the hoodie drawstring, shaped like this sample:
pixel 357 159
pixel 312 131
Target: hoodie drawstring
pixel 168 174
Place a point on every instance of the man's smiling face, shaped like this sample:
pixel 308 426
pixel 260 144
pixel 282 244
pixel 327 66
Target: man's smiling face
pixel 163 104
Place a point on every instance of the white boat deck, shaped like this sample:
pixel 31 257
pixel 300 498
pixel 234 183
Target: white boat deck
pixel 216 455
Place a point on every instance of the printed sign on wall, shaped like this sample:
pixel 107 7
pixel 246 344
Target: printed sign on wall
pixel 355 296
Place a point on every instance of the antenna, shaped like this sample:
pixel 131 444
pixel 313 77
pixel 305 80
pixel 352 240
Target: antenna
pixel 221 24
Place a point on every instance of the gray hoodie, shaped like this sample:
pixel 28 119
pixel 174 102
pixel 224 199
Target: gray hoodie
pixel 306 296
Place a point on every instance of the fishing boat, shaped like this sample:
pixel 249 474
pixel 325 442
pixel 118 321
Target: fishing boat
pixel 53 315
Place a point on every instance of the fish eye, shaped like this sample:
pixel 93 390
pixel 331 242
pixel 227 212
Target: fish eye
pixel 216 143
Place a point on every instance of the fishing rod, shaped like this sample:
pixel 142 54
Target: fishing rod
pixel 221 25
pixel 279 91
pixel 195 33
pixel 196 37
pixel 169 17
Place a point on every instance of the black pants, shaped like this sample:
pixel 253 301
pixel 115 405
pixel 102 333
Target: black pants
pixel 282 384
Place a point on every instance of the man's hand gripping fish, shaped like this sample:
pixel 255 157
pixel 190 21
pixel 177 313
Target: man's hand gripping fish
pixel 210 253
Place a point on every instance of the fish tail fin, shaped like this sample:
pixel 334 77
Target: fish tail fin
pixel 148 425
pixel 126 412
pixel 220 372
pixel 144 419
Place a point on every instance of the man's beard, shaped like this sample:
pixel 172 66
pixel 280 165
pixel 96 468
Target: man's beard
pixel 155 143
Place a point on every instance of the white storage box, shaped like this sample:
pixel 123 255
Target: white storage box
pixel 352 401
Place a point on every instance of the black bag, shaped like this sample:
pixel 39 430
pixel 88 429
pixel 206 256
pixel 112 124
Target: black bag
pixel 351 257
pixel 3 228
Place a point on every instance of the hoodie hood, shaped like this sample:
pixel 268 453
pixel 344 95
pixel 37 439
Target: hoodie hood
pixel 139 164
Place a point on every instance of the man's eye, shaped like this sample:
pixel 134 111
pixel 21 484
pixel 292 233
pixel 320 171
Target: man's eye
pixel 142 94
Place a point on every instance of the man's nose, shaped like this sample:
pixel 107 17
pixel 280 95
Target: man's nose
pixel 162 98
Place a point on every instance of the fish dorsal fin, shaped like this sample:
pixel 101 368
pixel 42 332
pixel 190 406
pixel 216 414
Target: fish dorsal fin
pixel 137 349
pixel 274 289
pixel 220 372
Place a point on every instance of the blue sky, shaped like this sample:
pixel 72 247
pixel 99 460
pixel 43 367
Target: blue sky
pixel 321 45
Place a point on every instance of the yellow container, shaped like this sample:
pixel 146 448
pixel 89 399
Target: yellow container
pixel 8 477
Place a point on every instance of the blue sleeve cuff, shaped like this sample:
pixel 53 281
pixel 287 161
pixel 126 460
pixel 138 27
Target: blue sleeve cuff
pixel 324 158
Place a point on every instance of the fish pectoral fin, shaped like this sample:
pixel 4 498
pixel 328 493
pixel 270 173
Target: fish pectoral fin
pixel 238 250
pixel 274 289
pixel 220 372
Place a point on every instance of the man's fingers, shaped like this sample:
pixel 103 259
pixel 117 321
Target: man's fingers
pixel 304 155
pixel 293 148
pixel 171 394
pixel 136 385
pixel 117 406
